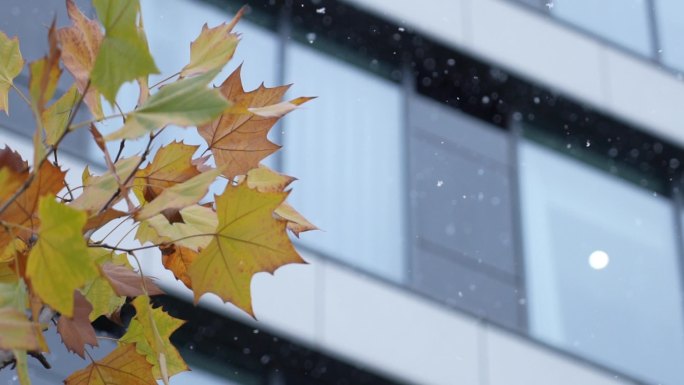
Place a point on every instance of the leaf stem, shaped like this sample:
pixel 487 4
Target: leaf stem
pixel 91 121
pixel 165 80
pixel 22 95
pixel 130 250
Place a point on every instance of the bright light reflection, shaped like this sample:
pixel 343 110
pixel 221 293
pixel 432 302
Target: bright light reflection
pixel 598 260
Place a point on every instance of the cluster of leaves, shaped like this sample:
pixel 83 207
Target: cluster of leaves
pixel 58 264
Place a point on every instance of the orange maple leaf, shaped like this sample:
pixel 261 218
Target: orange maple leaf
pixel 238 138
pixel 122 366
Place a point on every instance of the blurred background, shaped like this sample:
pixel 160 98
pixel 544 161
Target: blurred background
pixel 498 183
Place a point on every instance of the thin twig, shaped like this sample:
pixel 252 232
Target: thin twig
pixel 52 148
pixel 143 158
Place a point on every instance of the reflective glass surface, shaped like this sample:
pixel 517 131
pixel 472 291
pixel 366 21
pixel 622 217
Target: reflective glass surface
pixel 602 266
pixel 352 131
pixel 671 32
pixel 624 22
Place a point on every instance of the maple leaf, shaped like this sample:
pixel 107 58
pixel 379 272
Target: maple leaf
pixel 22 211
pixel 123 55
pixel 150 331
pixel 16 331
pixel 248 240
pixel 197 220
pixel 11 63
pixel 80 44
pixel 77 331
pixel 280 109
pixel 186 102
pixel 264 179
pixel 295 221
pixel 44 73
pixel 127 282
pixel 13 172
pixel 178 260
pixel 13 293
pixel 98 190
pixel 56 117
pixel 180 195
pixel 172 164
pixel 59 262
pixel 213 48
pixel 122 366
pixel 97 220
pixel 99 292
pixel 238 138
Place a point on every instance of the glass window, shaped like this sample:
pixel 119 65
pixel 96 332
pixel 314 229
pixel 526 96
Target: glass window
pixel 462 223
pixel 671 31
pixel 624 22
pixel 602 267
pixel 352 131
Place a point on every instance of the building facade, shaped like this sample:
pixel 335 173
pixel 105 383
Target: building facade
pixel 498 183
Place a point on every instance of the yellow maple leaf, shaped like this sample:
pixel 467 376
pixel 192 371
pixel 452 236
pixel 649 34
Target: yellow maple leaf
pixel 11 63
pixel 150 331
pixel 122 366
pixel 213 48
pixel 16 331
pixel 172 164
pixel 248 240
pixel 59 262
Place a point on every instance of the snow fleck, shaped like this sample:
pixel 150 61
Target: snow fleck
pixel 536 100
pixel 311 37
pixel 550 5
pixel 485 99
pixel 460 294
pixel 588 144
pixel 401 29
pixel 440 183
pixel 320 11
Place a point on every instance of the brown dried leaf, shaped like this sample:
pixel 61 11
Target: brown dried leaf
pixel 23 211
pixel 238 138
pixel 127 282
pixel 80 45
pixel 77 331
